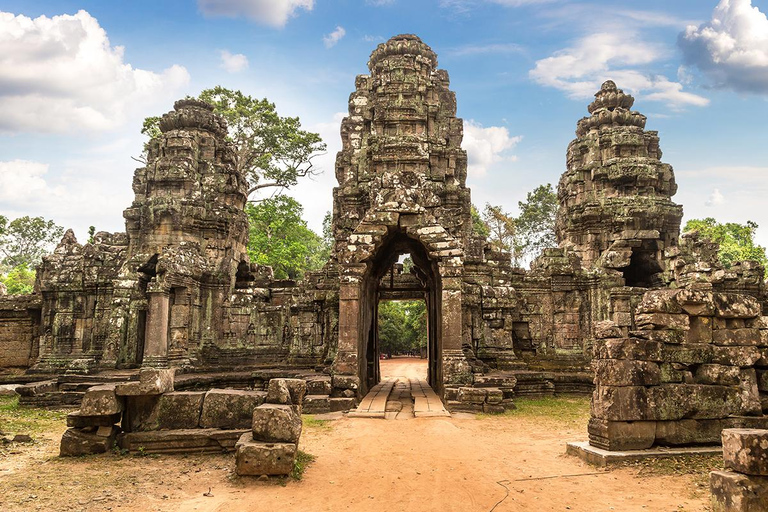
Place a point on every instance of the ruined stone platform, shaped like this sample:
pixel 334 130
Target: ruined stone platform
pixel 601 458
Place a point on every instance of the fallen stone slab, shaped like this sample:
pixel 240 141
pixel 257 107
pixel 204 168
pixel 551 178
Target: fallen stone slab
pixel 746 450
pixel 199 440
pixel 275 423
pixel 256 458
pixel 319 386
pixel 9 389
pixel 87 441
pixel 79 420
pixel 342 404
pixel 152 381
pixel 230 408
pixel 736 492
pixel 179 410
pixel 101 401
pixel 278 393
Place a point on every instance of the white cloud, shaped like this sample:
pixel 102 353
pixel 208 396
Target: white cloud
pixel 60 74
pixel 732 48
pixel 579 70
pixel 334 37
pixel 268 12
pixel 22 181
pixel 486 146
pixel 715 198
pixel 233 63
pixel 379 3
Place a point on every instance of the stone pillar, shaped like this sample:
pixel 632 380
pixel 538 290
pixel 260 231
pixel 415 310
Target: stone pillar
pixel 156 334
pixel 455 369
pixel 349 336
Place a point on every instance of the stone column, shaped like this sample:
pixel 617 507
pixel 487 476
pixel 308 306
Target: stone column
pixel 349 336
pixel 455 369
pixel 156 334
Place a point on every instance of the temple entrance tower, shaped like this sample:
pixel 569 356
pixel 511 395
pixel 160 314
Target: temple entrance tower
pixel 615 209
pixel 402 189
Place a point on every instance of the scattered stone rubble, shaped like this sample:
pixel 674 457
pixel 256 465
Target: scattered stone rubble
pixel 743 486
pixel 270 447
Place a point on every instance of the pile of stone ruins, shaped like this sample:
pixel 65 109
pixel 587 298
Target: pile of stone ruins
pixel 673 345
pixel 743 486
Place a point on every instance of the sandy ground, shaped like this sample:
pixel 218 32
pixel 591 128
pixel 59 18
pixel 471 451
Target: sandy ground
pixel 467 463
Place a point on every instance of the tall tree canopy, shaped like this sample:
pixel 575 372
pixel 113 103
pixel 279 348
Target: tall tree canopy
pixel 25 240
pixel 532 231
pixel 279 237
pixel 272 151
pixel 737 241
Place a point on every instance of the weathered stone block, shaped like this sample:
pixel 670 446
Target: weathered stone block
pixel 606 329
pixel 659 301
pixel 316 404
pixel 736 337
pixel 274 423
pixel 701 330
pixel 621 435
pixel 472 395
pixel 679 401
pixel 735 305
pixel 620 403
pixel 696 302
pixel 101 401
pixel 342 404
pixel 179 410
pixel 319 386
pixel 671 337
pixel 746 451
pixel 662 321
pixel 152 381
pixel 256 458
pixel 346 382
pixel 717 374
pixel 734 492
pixel 622 372
pixel 298 390
pixel 688 432
pixel 278 393
pixel 78 420
pixel 737 356
pixel 628 348
pixel 87 441
pixel 230 408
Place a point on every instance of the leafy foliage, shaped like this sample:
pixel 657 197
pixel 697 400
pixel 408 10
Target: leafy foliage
pixel 402 326
pixel 536 222
pixel 25 240
pixel 279 237
pixel 737 241
pixel 19 280
pixel 271 150
pixel 526 235
pixel 479 227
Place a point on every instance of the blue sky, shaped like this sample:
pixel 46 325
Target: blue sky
pixel 77 78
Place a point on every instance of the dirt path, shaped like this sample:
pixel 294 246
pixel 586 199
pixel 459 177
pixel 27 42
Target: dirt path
pixel 513 463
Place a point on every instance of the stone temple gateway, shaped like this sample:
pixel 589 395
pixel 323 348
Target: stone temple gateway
pixel 176 289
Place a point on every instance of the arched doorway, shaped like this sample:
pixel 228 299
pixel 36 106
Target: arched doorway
pixel 423 282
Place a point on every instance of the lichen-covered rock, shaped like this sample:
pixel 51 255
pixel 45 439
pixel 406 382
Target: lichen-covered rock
pixel 735 492
pixel 316 404
pixel 746 451
pixel 621 435
pixel 101 401
pixel 276 423
pixel 618 372
pixel 230 408
pixel 179 410
pixel 255 458
pixel 278 393
pixel 152 381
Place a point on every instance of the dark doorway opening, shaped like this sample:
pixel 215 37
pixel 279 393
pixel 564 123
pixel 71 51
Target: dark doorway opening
pixel 401 270
pixel 644 269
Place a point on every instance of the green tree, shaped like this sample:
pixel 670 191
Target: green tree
pixel 402 326
pixel 502 231
pixel 737 241
pixel 272 151
pixel 479 227
pixel 279 237
pixel 535 226
pixel 25 240
pixel 20 279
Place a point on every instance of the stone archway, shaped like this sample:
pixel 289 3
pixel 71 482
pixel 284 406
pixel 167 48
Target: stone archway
pixel 369 253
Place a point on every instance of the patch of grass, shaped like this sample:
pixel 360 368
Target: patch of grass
pixel 303 460
pixel 561 408
pixel 27 420
pixel 309 421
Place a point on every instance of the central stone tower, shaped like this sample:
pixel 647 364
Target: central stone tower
pixel 402 189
